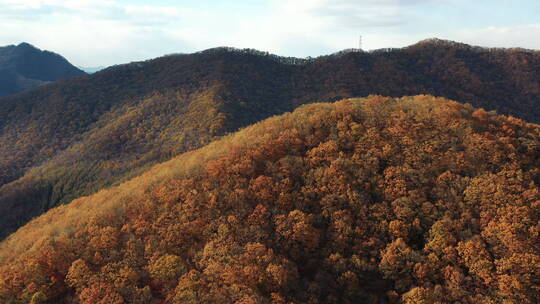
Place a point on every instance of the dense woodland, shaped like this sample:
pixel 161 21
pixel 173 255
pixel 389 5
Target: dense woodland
pixel 376 200
pixel 74 137
pixel 23 67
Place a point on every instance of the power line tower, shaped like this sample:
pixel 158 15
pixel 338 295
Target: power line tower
pixel 360 43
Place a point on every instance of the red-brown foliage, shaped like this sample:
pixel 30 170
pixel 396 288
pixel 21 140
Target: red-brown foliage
pixel 378 200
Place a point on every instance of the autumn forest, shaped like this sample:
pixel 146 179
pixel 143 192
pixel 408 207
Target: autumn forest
pixel 236 176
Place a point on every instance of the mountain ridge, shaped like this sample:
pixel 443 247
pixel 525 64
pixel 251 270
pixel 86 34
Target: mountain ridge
pixel 429 42
pixel 24 66
pixel 116 123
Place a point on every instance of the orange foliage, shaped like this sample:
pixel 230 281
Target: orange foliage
pixel 324 205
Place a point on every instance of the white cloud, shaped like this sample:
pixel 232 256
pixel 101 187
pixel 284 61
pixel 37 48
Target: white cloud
pixel 101 32
pixel 333 25
pixel 92 32
pixel 525 36
pixel 355 13
pixel 66 4
pixel 104 32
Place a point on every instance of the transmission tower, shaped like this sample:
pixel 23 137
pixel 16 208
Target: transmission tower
pixel 360 43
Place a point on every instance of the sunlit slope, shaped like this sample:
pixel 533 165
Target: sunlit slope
pixel 377 200
pixel 75 137
pixel 120 145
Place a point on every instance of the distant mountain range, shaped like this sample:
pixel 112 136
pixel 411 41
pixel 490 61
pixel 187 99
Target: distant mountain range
pixel 92 70
pixel 23 67
pixel 75 137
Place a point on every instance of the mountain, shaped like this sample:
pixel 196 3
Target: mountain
pixel 24 67
pixel 376 200
pixel 74 137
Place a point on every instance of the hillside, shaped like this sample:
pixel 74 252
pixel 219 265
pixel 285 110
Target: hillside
pixel 74 137
pixel 376 200
pixel 24 67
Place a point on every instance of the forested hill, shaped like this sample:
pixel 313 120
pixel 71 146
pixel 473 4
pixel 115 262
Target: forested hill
pixel 376 200
pixel 24 67
pixel 74 137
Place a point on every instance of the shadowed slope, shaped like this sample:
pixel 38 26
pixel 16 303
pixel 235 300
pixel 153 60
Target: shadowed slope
pixel 24 67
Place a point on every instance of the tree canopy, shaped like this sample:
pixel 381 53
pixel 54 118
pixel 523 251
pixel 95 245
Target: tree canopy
pixel 75 137
pixel 376 200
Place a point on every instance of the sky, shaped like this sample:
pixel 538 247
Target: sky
pixel 92 33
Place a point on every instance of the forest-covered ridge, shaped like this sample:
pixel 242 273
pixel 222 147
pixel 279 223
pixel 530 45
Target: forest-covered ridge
pixel 74 137
pixel 24 67
pixel 426 43
pixel 386 200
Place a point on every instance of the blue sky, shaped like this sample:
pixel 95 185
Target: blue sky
pixel 106 32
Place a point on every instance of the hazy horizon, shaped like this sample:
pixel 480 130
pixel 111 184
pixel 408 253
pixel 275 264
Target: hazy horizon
pixel 107 32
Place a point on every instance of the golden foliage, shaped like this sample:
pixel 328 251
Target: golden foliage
pixel 374 199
